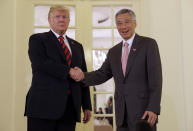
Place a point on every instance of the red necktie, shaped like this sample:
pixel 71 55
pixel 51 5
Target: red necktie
pixel 66 50
pixel 66 53
pixel 125 57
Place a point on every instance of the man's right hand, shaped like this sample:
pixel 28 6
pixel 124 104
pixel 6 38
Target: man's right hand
pixel 152 117
pixel 76 74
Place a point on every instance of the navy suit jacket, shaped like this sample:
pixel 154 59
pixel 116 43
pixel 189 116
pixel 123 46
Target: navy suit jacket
pixel 47 96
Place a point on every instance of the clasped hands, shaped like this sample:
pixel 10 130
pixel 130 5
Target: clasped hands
pixel 76 74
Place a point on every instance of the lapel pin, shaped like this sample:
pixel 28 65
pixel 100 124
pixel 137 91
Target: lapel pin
pixel 134 49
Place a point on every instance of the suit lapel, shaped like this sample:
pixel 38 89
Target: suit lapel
pixel 54 40
pixel 118 56
pixel 132 54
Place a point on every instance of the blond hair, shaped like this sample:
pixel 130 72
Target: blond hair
pixel 58 7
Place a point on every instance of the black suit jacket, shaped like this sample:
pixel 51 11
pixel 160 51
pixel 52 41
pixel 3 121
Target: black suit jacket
pixel 47 96
pixel 141 87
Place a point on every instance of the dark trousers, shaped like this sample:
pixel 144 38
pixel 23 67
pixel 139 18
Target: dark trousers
pixel 132 128
pixel 66 123
pixel 124 126
pixel 128 126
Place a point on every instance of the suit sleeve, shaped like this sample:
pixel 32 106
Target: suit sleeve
pixel 99 76
pixel 154 70
pixel 40 62
pixel 86 102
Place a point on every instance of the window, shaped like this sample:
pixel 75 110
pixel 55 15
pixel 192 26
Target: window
pixel 104 36
pixel 41 20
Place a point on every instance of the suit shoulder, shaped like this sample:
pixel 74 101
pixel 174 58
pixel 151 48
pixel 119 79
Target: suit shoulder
pixel 147 39
pixel 39 35
pixel 149 43
pixel 114 48
pixel 73 41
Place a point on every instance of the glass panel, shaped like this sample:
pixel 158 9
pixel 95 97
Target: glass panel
pixel 72 16
pixel 117 37
pixel 103 101
pixel 116 9
pixel 99 57
pixel 103 105
pixel 102 124
pixel 102 38
pixel 41 30
pixel 108 86
pixel 41 15
pixel 70 32
pixel 101 16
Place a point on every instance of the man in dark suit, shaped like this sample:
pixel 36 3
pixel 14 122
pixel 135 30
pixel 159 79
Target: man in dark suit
pixel 54 100
pixel 136 67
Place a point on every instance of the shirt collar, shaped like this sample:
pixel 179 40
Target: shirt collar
pixel 129 41
pixel 57 35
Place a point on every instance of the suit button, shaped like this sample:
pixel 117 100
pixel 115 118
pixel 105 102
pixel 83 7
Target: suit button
pixel 69 92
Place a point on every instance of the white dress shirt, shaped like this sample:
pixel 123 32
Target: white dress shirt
pixel 65 40
pixel 130 42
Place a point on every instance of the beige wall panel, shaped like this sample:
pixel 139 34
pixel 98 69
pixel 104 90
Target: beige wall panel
pixel 187 46
pixel 165 27
pixel 6 66
pixel 24 27
pixel 144 22
pixel 85 22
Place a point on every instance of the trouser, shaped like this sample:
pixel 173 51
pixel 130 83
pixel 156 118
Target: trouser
pixel 66 123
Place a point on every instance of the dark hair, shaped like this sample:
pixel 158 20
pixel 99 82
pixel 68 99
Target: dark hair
pixel 143 125
pixel 123 11
pixel 111 98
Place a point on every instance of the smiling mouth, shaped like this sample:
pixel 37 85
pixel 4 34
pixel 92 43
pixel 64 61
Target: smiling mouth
pixel 62 25
pixel 125 32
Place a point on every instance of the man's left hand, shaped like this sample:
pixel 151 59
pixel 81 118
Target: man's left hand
pixel 87 116
pixel 152 117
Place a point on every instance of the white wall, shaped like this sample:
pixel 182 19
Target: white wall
pixel 166 28
pixel 170 23
pixel 187 49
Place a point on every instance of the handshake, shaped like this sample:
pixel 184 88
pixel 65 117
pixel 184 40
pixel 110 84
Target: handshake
pixel 76 74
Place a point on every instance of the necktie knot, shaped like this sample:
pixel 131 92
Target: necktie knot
pixel 126 44
pixel 61 38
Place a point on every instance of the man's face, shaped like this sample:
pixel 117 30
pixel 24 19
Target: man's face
pixel 59 21
pixel 125 25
